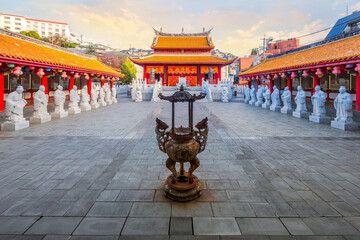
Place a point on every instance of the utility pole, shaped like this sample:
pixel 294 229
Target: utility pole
pixel 266 41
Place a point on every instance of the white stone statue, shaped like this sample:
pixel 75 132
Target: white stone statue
pixel 275 100
pixel 94 96
pixel 260 99
pixel 59 97
pixel 74 101
pixel 14 111
pixel 266 95
pixel 85 99
pixel 102 102
pixel 318 102
pixel 252 96
pixel 300 99
pixel 113 95
pixel 108 96
pixel 224 94
pixel 344 115
pixel 41 100
pixel 138 95
pixel 155 93
pixel 286 98
pixel 247 95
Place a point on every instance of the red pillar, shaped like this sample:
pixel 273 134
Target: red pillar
pixel 316 82
pixel 102 82
pixel 89 85
pixel 111 84
pixel 249 84
pixel 357 92
pixel 144 74
pixel 289 83
pixel 44 82
pixel 2 92
pixel 219 74
pixel 71 83
pixel 271 85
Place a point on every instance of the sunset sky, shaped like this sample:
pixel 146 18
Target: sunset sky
pixel 238 24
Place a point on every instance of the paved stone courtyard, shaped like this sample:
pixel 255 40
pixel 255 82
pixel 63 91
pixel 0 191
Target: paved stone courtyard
pixel 99 175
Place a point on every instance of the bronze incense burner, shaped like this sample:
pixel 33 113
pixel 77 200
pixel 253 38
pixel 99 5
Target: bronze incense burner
pixel 182 144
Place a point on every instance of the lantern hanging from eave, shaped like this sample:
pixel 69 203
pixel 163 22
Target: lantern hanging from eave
pixel 357 68
pixel 336 70
pixel 305 73
pixel 63 74
pixel 319 72
pixel 31 68
pixel 87 77
pixel 262 77
pixel 268 76
pixel 293 75
pixel 40 72
pixel 108 78
pixel 349 66
pixel 10 65
pixel 76 75
pixel 283 75
pixel 17 71
pixel 276 75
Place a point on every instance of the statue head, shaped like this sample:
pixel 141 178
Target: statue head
pixel 247 86
pixel 85 87
pixel 274 87
pixel 60 87
pixel 19 89
pixel 317 88
pixel 286 89
pixel 252 87
pixel 75 87
pixel 42 88
pixel 299 88
pixel 342 89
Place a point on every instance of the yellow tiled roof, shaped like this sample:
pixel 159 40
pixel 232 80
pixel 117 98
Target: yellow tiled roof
pixel 344 49
pixel 182 60
pixel 16 48
pixel 182 42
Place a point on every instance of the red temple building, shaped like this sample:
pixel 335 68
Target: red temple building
pixel 182 55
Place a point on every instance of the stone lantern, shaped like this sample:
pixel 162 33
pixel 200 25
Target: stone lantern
pixel 182 144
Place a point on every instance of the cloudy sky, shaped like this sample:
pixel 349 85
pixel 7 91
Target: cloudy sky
pixel 238 25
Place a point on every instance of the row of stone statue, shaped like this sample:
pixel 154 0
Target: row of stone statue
pixel 342 104
pixel 14 107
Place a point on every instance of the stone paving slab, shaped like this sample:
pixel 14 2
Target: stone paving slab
pixel 290 175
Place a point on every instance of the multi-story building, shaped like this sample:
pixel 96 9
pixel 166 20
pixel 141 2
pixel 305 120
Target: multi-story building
pixel 281 46
pixel 44 28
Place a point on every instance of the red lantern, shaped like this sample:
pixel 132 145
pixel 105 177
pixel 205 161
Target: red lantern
pixel 63 75
pixel 87 77
pixel 17 71
pixel 40 72
pixel 293 74
pixel 328 68
pixel 31 68
pixel 76 75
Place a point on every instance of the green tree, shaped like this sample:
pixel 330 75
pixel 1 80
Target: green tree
pixel 67 44
pixel 32 34
pixel 90 50
pixel 129 70
pixel 254 51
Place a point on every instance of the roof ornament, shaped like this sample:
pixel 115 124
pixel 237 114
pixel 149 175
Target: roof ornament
pixel 182 30
pixel 203 29
pixel 161 29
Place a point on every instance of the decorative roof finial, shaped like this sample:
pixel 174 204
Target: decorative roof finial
pixel 161 29
pixel 182 30
pixel 203 29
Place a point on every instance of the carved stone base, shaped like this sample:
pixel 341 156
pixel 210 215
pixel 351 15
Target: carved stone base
pixel 102 104
pixel 344 126
pixel 109 102
pixel 94 105
pixel 73 111
pixel 286 111
pixel 14 126
pixel 39 120
pixel 275 108
pixel 246 101
pixel 266 106
pixel 56 115
pixel 317 119
pixel 301 114
pixel 182 190
pixel 85 108
pixel 259 104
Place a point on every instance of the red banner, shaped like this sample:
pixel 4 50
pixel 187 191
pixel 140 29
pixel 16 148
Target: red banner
pixel 205 69
pixel 173 80
pixel 182 69
pixel 157 69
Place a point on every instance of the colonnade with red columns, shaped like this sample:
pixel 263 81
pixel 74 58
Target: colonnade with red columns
pixel 1 92
pixel 358 92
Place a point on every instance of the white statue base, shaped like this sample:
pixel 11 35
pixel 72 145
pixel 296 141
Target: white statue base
pixel 14 126
pixel 85 108
pixel 57 115
pixel 114 100
pixel 286 111
pixel 138 100
pixel 102 104
pixel 246 101
pixel 94 105
pixel 345 126
pixel 301 114
pixel 109 102
pixel 259 104
pixel 224 100
pixel 73 111
pixel 317 119
pixel 39 120
pixel 266 106
pixel 275 108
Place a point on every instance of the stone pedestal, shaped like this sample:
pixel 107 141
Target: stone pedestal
pixel 266 106
pixel 39 120
pixel 275 108
pixel 73 111
pixel 57 115
pixel 246 101
pixel 345 126
pixel 14 126
pixel 318 119
pixel 301 114
pixel 94 105
pixel 286 111
pixel 259 104
pixel 85 108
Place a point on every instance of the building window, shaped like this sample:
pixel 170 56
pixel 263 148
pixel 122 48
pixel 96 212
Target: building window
pixel 7 17
pixel 17 19
pixel 17 28
pixel 17 24
pixel 7 22
pixel 57 30
pixel 53 82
